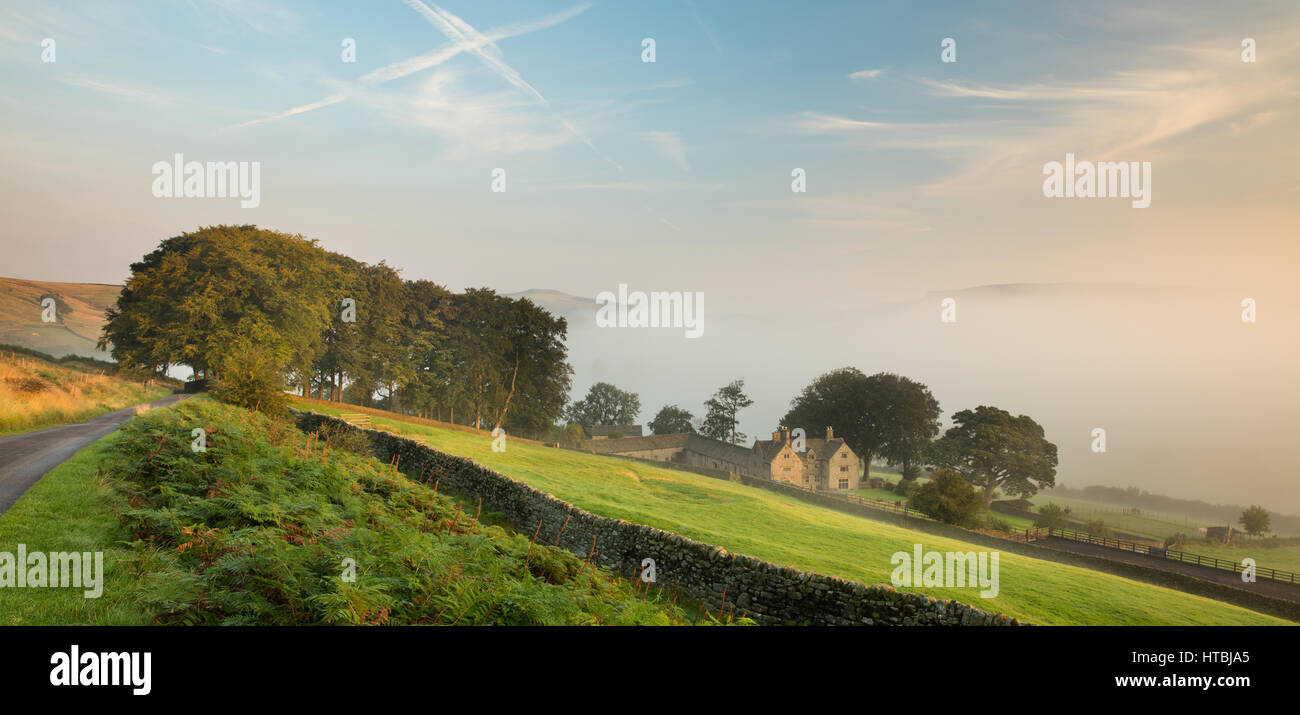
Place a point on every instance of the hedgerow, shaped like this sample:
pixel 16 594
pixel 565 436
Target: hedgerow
pixel 256 528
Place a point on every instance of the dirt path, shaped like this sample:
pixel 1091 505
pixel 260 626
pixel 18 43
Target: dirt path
pixel 25 458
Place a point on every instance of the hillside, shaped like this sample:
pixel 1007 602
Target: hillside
pixel 80 316
pixel 789 532
pixel 35 393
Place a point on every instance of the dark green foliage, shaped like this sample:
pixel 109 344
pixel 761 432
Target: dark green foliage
pixel 251 378
pixel 230 298
pixel 721 419
pixel 1254 520
pixel 947 497
pixel 605 405
pixel 571 435
pixel 1051 516
pixel 256 530
pixel 672 420
pixel 994 449
pixel 993 523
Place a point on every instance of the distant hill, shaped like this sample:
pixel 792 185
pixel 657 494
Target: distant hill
pixel 80 316
pixel 557 302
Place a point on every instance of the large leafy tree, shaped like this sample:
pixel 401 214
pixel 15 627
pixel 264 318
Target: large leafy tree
pixel 880 416
pixel 426 324
pixel 906 417
pixel 533 371
pixel 993 449
pixel 672 419
pixel 723 409
pixel 189 301
pixel 1255 520
pixel 605 404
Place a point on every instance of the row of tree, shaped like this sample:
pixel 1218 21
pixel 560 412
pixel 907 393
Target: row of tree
pixel 606 404
pixel 247 307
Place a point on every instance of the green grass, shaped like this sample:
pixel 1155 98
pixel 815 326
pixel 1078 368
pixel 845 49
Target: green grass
pixel 786 531
pixel 71 509
pixel 1019 523
pixel 1151 525
pixel 1284 557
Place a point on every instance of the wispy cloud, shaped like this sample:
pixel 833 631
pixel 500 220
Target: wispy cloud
pixel 265 17
pixel 818 123
pixel 333 99
pixel 465 37
pixel 412 65
pixel 717 47
pixel 866 74
pixel 671 146
pixel 151 96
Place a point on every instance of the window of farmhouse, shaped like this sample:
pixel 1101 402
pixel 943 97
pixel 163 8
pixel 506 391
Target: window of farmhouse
pixel 785 469
pixel 843 468
pixel 844 484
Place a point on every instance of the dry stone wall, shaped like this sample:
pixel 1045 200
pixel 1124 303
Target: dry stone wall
pixel 767 593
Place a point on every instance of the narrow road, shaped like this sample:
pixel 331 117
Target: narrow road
pixel 25 458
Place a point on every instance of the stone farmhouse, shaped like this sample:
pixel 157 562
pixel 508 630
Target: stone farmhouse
pixel 824 464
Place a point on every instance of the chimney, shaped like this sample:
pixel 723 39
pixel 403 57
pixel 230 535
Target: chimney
pixel 776 436
pixel 785 434
pixel 830 433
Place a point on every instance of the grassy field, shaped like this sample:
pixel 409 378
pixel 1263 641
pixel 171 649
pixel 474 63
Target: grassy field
pixel 786 531
pixel 71 509
pixel 35 394
pixel 1146 524
pixel 1283 556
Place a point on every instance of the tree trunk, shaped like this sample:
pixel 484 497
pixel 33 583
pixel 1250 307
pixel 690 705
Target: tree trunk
pixel 988 493
pixel 502 417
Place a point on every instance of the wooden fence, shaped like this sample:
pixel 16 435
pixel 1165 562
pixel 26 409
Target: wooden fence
pixel 1180 556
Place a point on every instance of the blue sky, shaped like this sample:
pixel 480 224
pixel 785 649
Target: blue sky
pixel 924 178
pixel 633 164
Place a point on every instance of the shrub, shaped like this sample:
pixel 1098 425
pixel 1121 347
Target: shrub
pixel 1097 528
pixel 252 378
pixel 994 523
pixel 1050 516
pixel 572 435
pixel 947 497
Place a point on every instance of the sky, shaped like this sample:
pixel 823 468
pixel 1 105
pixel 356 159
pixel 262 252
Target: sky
pixel 923 181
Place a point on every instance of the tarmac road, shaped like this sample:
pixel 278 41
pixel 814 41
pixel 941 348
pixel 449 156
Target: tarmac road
pixel 25 458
